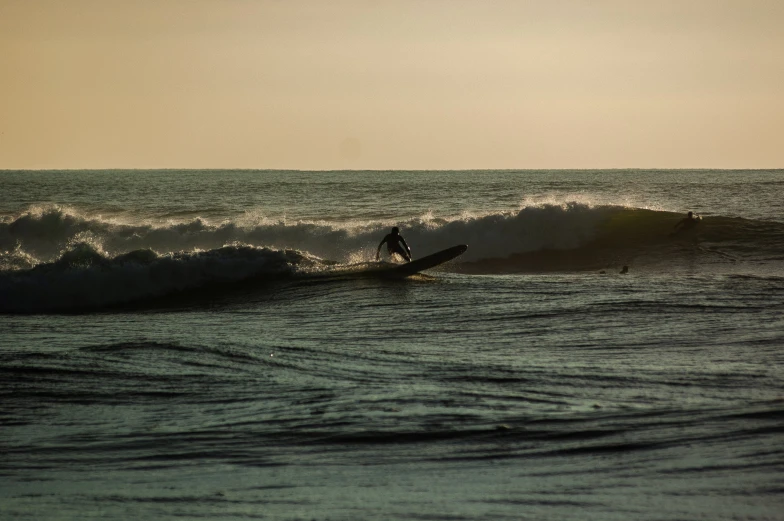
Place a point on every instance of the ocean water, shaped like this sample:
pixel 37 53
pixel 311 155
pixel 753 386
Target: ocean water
pixel 213 344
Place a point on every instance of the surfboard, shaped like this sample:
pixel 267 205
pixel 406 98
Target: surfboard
pixel 424 263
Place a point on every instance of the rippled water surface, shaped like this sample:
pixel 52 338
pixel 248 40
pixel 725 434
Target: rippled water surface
pixel 175 348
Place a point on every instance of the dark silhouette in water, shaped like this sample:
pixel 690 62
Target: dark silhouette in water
pixel 623 271
pixel 393 241
pixel 687 223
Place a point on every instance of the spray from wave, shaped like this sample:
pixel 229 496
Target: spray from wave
pixel 44 234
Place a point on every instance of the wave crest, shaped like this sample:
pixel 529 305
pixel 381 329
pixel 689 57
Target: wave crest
pixel 44 233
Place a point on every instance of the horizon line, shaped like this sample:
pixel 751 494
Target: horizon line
pixel 358 170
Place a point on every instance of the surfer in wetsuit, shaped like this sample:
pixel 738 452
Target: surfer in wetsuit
pixel 687 223
pixel 393 241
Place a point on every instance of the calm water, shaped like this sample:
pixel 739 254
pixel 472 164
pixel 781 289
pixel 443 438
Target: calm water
pixel 190 344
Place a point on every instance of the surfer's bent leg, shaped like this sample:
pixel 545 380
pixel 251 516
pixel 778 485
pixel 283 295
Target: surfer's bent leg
pixel 400 251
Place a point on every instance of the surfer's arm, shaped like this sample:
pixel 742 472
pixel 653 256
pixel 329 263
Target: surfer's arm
pixel 378 251
pixel 405 245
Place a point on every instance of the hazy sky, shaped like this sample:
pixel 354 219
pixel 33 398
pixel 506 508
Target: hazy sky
pixel 428 84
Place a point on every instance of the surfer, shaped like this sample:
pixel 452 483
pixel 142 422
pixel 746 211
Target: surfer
pixel 687 223
pixel 393 241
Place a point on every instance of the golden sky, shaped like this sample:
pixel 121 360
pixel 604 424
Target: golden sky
pixel 427 84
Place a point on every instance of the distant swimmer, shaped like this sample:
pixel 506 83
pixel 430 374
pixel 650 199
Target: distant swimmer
pixel 624 270
pixel 687 223
pixel 393 240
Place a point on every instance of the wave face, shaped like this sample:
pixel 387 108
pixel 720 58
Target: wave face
pixel 86 279
pixel 53 257
pixel 43 234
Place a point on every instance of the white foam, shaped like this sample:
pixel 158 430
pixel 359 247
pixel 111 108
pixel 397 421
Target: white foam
pixel 44 234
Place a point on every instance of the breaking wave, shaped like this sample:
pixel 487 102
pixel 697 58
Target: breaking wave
pixel 84 278
pixel 55 258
